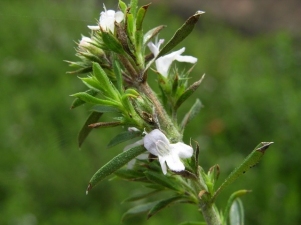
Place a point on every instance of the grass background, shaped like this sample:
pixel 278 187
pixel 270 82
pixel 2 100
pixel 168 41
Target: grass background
pixel 251 94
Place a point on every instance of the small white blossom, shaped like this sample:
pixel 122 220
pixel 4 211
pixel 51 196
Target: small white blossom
pixel 158 144
pixel 163 63
pixel 107 20
pixel 85 42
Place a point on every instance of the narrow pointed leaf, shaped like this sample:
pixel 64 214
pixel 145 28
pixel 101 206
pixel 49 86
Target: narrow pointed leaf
pixel 78 102
pixel 250 161
pixel 85 131
pixel 140 16
pixel 129 174
pixel 122 6
pixel 114 164
pixel 105 124
pixel 188 92
pixel 93 100
pixel 140 196
pixel 193 112
pixel 104 109
pixel 162 204
pixel 122 137
pixel 162 180
pixel 117 71
pixel 152 33
pixel 112 43
pixel 237 213
pixel 139 209
pixel 231 200
pixel 181 33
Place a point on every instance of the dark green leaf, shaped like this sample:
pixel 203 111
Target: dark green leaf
pixel 162 204
pixel 143 208
pixel 152 33
pixel 122 137
pixel 140 196
pixel 114 164
pixel 181 33
pixel 118 75
pixel 131 175
pixel 84 132
pixel 162 180
pixel 250 161
pixel 140 16
pixel 104 109
pixel 237 213
pixel 112 43
pixel 188 92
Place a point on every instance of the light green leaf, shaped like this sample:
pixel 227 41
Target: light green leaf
pixel 93 100
pixel 114 164
pixel 122 6
pixel 117 71
pixel 85 131
pixel 237 213
pixel 193 112
pixel 122 137
pixel 78 102
pixel 162 204
pixel 231 200
pixel 250 161
pixel 188 92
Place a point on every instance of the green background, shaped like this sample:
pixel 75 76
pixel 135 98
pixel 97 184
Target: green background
pixel 251 93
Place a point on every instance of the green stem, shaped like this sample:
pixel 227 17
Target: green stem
pixel 163 118
pixel 210 213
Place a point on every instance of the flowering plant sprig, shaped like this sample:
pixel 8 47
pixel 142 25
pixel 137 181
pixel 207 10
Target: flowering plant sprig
pixel 118 58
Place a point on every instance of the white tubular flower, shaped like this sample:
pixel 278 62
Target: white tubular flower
pixel 158 144
pixel 163 63
pixel 85 42
pixel 107 20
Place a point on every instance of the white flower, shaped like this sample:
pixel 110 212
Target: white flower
pixel 85 42
pixel 158 144
pixel 163 63
pixel 107 20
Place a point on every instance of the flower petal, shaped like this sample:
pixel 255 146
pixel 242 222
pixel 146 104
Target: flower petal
pixel 174 163
pixel 163 165
pixel 182 150
pixel 185 58
pixel 151 139
pixel 119 16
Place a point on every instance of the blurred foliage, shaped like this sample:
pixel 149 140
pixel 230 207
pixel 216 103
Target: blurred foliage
pixel 251 93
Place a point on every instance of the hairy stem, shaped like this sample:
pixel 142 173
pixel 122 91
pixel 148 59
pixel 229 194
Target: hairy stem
pixel 210 213
pixel 163 118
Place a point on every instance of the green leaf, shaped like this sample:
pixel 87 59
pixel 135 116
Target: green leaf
pixel 122 137
pixel 162 180
pixel 140 16
pixel 92 83
pixel 162 204
pixel 84 132
pixel 104 109
pixel 122 6
pixel 112 43
pixel 114 164
pixel 130 26
pixel 237 213
pixel 139 209
pixel 93 100
pixel 152 33
pixel 188 92
pixel 140 196
pixel 231 200
pixel 107 87
pixel 250 161
pixel 117 71
pixel 181 33
pixel 131 175
pixel 195 109
pixel 78 102
pixel 134 6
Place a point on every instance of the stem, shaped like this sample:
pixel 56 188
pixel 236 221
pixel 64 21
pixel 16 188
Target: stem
pixel 210 213
pixel 164 120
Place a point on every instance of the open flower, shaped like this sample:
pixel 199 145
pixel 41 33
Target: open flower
pixel 158 144
pixel 163 63
pixel 107 20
